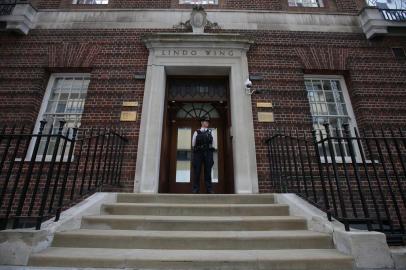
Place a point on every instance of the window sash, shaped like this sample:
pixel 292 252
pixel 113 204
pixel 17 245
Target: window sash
pixel 199 2
pixel 91 2
pixel 305 3
pixel 329 103
pixel 387 4
pixel 63 88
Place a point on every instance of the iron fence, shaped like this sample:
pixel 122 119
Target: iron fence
pixel 358 178
pixel 7 6
pixel 398 15
pixel 44 173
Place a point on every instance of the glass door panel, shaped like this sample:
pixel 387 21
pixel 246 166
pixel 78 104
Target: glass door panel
pixel 215 168
pixel 183 155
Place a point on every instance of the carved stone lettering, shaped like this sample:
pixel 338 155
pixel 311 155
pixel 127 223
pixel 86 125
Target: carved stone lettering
pixel 196 52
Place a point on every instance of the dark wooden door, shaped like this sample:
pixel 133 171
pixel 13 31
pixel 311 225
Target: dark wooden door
pixel 189 99
pixel 180 155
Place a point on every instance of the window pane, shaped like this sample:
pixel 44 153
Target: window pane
pixel 197 110
pixel 183 155
pixel 74 95
pixel 317 85
pixel 55 95
pixel 326 85
pixel 64 96
pixel 323 108
pixel 91 2
pixel 309 85
pixel 197 2
pixel 335 85
pixel 51 107
pixel 332 109
pixel 60 108
pixel 215 168
pixel 58 83
pixel 67 84
pixel 329 96
pixel 77 85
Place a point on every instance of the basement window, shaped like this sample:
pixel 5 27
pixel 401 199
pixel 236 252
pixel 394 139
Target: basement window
pixel 91 2
pixel 399 53
pixel 199 2
pixel 305 3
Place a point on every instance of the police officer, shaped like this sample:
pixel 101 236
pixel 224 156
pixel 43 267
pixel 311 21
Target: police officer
pixel 202 143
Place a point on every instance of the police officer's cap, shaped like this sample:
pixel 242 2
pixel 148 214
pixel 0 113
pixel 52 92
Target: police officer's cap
pixel 205 118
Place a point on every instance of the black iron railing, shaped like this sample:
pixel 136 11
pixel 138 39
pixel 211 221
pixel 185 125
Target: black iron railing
pixel 7 6
pixel 394 10
pixel 397 15
pixel 44 173
pixel 358 179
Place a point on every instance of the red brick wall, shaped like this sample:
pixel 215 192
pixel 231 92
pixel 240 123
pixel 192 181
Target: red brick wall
pixel 351 6
pixel 29 62
pixel 375 79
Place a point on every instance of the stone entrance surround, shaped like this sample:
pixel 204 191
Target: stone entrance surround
pixel 196 54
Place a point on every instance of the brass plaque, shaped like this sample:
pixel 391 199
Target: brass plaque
pixel 129 116
pixel 265 117
pixel 130 103
pixel 264 104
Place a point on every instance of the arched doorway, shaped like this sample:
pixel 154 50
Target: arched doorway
pixel 188 100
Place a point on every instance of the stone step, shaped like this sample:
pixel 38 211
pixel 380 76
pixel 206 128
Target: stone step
pixel 196 198
pixel 179 209
pixel 203 240
pixel 298 259
pixel 194 223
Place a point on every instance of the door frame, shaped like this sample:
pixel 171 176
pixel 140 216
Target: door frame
pixel 167 133
pixel 197 57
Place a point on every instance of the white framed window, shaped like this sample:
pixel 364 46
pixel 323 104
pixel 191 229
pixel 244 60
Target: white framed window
pixel 305 3
pixel 199 2
pixel 91 2
pixel 64 99
pixel 330 103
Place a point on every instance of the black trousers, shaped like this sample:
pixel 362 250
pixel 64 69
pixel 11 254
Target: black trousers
pixel 202 158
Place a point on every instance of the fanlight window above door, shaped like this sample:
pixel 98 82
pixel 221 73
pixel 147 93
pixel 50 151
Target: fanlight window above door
pixel 197 110
pixel 213 89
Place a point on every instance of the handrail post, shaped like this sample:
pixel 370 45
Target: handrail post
pixel 357 174
pixel 65 178
pixel 323 185
pixel 49 176
pixel 335 170
pixel 28 176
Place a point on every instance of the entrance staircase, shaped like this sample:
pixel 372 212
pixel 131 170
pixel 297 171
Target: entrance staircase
pixel 169 231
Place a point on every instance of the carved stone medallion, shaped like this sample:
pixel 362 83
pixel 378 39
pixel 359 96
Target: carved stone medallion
pixel 198 19
pixel 197 22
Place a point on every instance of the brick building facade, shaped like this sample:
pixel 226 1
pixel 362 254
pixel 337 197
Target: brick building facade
pixel 100 41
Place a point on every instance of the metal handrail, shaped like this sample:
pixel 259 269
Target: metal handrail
pixel 37 181
pixel 398 15
pixel 358 179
